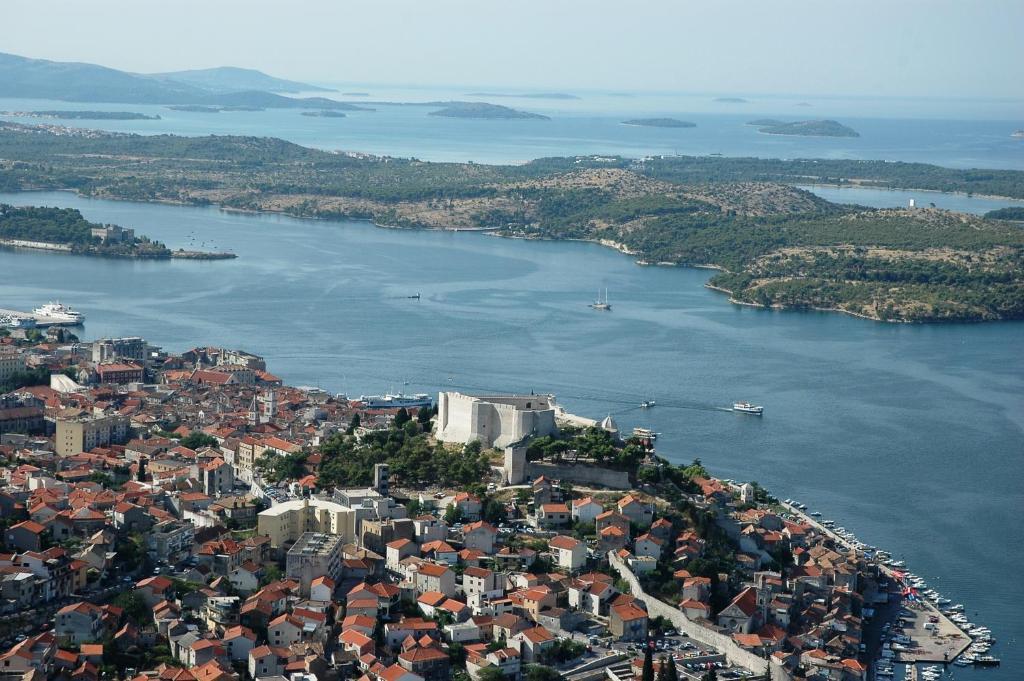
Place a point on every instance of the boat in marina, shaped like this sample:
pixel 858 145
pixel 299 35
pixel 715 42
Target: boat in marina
pixel 17 322
pixel 748 408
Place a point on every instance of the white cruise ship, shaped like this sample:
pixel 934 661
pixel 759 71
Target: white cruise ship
pixel 59 312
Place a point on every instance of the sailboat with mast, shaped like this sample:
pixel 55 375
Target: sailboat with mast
pixel 601 304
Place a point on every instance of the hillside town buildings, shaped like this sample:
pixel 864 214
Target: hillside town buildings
pixel 149 514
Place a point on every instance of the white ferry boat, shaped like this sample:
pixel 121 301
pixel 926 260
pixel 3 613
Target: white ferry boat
pixel 748 408
pixel 396 401
pixel 59 313
pixel 645 433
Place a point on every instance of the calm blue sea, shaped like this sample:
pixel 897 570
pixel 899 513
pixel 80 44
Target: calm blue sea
pixel 910 436
pixel 950 134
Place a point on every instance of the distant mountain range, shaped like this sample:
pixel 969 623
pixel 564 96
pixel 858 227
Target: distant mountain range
pixel 81 82
pixel 234 79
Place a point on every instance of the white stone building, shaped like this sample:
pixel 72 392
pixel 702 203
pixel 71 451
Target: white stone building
pixel 494 420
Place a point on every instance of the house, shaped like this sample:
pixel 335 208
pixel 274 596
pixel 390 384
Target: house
pixel 238 642
pixel 739 616
pixel 612 538
pixel 586 510
pixel 533 643
pixel 267 661
pixel 551 516
pixel 430 602
pixel 26 536
pixel 612 519
pixel 426 659
pixel 479 536
pixel 570 553
pixel 155 589
pixel 505 660
pixel 638 512
pixel 468 505
pixel 398 550
pixel 356 642
pixel 439 552
pixel 284 630
pixel 627 622
pixel 537 599
pixel 648 545
pixel 398 673
pixel 591 593
pixel 434 577
pixel 322 589
pixel 478 581
pixel 79 623
pixel 417 627
pixel 694 610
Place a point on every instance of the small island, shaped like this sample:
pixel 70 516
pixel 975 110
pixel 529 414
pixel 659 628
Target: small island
pixel 525 95
pixel 195 108
pixel 825 128
pixel 66 230
pixel 660 123
pixel 731 100
pixel 483 110
pixel 328 113
pixel 84 115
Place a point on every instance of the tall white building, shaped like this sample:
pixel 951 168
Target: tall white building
pixel 494 420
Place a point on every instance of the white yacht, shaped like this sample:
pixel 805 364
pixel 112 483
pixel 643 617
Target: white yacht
pixel 600 304
pixel 59 312
pixel 748 408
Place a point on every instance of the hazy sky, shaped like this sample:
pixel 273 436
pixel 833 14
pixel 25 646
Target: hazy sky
pixel 943 48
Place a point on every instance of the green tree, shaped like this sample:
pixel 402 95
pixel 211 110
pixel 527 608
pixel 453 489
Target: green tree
pixel 197 440
pixel 648 669
pixel 540 672
pixel 402 417
pixel 491 673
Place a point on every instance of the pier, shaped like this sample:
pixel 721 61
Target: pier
pixel 41 320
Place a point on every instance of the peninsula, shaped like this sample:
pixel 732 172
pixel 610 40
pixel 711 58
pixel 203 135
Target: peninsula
pixel 84 115
pixel 775 245
pixel 65 230
pixel 823 128
pixel 296 497
pixel 660 123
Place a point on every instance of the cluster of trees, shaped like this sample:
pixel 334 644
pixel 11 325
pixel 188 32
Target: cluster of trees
pixel 407 449
pixel 197 439
pixel 588 443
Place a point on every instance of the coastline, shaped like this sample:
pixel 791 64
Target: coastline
pixel 496 231
pixel 859 315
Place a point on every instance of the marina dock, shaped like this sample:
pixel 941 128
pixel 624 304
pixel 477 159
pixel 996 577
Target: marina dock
pixel 41 320
pixel 939 644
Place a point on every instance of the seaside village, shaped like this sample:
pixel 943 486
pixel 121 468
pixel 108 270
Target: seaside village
pixel 190 518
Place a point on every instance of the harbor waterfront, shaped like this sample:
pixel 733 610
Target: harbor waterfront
pixel 885 428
